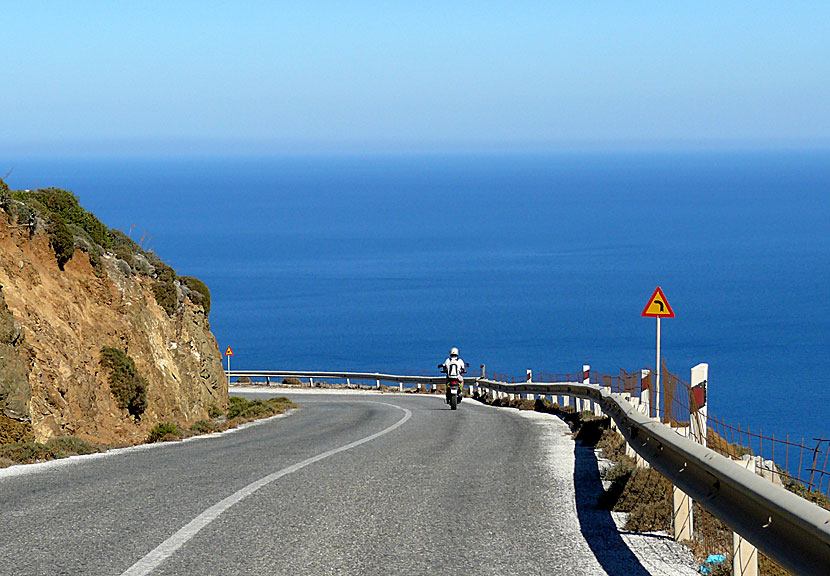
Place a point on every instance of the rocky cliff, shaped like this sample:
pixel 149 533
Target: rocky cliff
pixel 55 320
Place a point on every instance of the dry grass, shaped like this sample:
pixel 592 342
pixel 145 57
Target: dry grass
pixel 239 412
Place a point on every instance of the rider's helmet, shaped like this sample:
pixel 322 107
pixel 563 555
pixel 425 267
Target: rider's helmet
pixel 453 352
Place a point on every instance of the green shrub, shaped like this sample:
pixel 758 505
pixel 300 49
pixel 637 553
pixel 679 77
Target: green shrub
pixel 65 204
pixel 6 202
pixel 243 409
pixel 26 216
pixel 204 427
pixel 215 411
pixel 128 387
pixel 164 273
pixel 61 240
pixel 64 446
pixel 199 293
pixel 124 253
pixel 166 296
pixel 164 432
pixel 124 247
pixel 164 288
pixel 25 452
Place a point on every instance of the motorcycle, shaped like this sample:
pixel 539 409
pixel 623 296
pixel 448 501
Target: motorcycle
pixel 454 389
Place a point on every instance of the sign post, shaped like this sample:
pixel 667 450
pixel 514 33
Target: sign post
pixel 658 307
pixel 228 354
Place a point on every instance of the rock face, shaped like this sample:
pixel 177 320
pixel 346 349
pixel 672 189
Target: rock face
pixel 54 323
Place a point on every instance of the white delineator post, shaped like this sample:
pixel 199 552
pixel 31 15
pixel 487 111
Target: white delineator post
pixel 578 406
pixel 529 380
pixel 700 417
pixel 645 393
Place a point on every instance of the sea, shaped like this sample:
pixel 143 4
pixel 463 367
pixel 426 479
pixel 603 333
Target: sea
pixel 541 262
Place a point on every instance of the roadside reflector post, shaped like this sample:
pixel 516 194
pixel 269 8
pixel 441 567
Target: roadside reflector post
pixel 645 391
pixel 698 405
pixel 529 381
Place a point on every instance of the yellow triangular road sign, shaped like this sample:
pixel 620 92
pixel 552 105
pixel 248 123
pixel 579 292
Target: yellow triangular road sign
pixel 658 306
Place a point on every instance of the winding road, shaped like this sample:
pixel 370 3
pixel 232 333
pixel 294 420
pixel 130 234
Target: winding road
pixel 351 483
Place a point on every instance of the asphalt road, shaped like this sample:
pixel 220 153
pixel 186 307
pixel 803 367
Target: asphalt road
pixel 348 484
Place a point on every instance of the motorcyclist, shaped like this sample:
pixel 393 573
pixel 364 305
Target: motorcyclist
pixel 454 367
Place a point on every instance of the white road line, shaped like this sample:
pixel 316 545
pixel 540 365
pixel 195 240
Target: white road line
pixel 166 549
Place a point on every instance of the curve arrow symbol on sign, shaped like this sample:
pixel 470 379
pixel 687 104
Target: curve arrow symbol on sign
pixel 658 306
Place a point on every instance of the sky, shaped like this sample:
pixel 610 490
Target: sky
pixel 104 77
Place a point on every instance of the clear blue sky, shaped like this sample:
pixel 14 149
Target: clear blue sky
pixel 365 76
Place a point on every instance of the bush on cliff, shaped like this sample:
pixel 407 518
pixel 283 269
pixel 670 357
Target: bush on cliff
pixel 199 292
pixel 57 202
pixel 61 240
pixel 128 387
pixel 164 288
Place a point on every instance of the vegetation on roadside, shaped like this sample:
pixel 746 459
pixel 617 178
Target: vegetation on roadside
pixel 31 452
pixel 163 432
pixel 23 450
pixel 240 411
pixel 126 384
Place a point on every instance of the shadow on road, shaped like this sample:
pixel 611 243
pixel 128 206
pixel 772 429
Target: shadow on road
pixel 597 526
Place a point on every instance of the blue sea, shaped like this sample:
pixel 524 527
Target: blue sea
pixel 528 261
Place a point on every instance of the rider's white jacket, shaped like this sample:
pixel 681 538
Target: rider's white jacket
pixel 454 367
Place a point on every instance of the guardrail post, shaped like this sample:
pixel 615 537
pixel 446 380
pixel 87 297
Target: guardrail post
pixel 267 380
pixel 744 554
pixel 682 519
pixel 400 386
pixel 377 384
pixel 683 508
pixel 311 382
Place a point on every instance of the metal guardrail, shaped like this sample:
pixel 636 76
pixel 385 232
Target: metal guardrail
pixel 359 376
pixel 792 531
